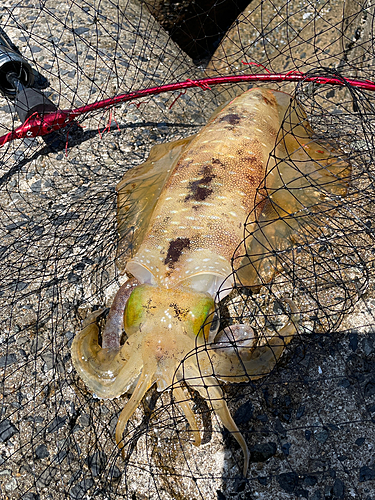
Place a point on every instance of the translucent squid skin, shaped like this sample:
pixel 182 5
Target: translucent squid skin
pixel 181 220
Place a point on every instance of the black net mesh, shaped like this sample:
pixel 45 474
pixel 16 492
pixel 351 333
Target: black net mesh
pixel 309 423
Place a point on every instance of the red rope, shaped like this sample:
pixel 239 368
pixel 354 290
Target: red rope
pixel 37 125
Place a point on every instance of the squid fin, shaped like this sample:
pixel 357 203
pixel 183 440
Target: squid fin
pixel 267 247
pixel 138 192
pixel 305 185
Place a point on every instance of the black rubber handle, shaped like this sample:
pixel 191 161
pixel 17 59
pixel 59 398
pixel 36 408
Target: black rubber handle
pixel 30 101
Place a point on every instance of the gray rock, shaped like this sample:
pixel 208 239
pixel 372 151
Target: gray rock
pixel 78 491
pixel 81 30
pixel 369 388
pixel 85 420
pixel 344 383
pixel 7 360
pixel 41 451
pixel 262 452
pixel 46 477
pixel 30 496
pixel 21 285
pixel 317 495
pixel 366 474
pixel 97 463
pixel 73 278
pixel 280 428
pixel 21 340
pixel 56 424
pixel 7 430
pixel 309 481
pixel 11 485
pixel 36 186
pixel 71 58
pixel 368 345
pixel 300 412
pixel 338 489
pixel 244 413
pixel 114 473
pixel 49 360
pixel 36 345
pixel 285 448
pixel 60 457
pixel 288 481
pixel 321 436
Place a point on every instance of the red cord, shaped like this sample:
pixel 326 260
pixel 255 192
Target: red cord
pixel 258 65
pixel 37 125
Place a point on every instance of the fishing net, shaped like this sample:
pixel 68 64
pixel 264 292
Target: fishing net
pixel 309 423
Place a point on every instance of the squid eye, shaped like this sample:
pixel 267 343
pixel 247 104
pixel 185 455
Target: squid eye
pixel 201 313
pixel 135 311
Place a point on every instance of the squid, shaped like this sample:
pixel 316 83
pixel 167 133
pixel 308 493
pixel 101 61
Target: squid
pixel 182 217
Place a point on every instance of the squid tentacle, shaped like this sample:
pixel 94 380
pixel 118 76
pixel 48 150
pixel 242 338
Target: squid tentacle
pixel 113 327
pixel 110 370
pixel 144 383
pixel 107 373
pixel 209 389
pixel 244 360
pixel 188 412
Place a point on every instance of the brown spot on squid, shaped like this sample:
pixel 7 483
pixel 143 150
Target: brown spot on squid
pixel 199 189
pixel 175 250
pixel 232 119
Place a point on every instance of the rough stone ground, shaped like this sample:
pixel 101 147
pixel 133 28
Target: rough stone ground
pixel 309 424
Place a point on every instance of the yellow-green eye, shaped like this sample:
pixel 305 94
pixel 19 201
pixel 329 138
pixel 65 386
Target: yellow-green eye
pixel 199 313
pixel 135 309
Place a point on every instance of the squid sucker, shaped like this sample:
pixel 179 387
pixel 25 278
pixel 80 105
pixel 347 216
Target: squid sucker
pixel 182 218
